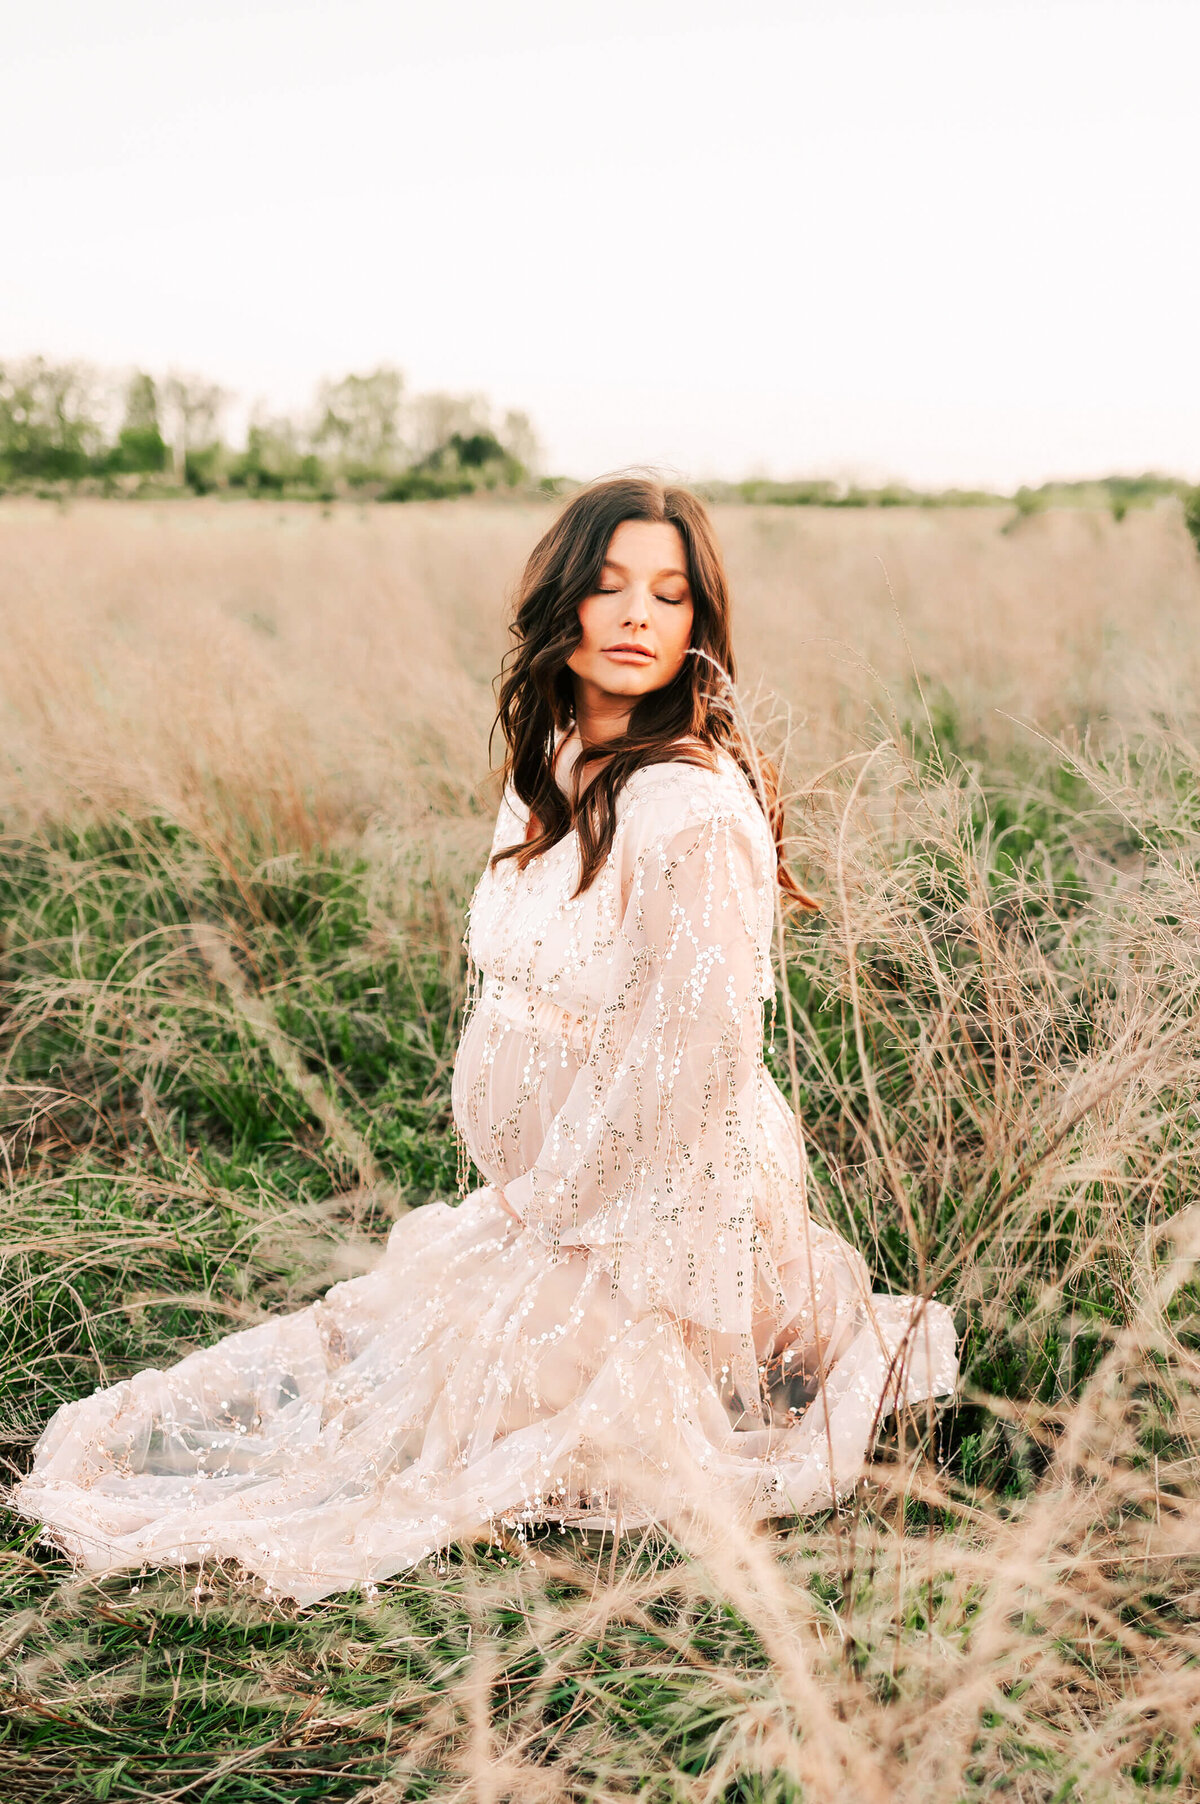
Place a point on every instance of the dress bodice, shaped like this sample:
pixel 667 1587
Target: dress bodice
pixel 531 935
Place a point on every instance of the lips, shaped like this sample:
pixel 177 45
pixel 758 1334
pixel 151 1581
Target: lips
pixel 631 653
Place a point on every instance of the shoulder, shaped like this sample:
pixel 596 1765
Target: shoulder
pixel 678 798
pixel 512 819
pixel 682 789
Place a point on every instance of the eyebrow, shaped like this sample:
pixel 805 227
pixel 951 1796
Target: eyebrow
pixel 610 563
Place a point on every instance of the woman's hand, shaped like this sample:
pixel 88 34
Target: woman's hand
pixel 506 1205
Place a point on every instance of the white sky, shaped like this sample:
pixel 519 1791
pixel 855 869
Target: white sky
pixel 947 240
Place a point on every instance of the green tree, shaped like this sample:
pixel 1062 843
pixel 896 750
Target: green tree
pixel 140 444
pixel 436 418
pixel 141 403
pixel 49 427
pixel 465 462
pixel 359 422
pixel 276 457
pixel 194 408
pixel 521 441
pixel 1191 514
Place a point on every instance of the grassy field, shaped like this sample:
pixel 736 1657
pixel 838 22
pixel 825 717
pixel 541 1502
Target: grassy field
pixel 243 797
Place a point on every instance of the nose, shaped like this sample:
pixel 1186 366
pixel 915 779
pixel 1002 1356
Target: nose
pixel 637 608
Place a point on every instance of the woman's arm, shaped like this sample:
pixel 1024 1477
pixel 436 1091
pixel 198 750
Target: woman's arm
pixel 649 1163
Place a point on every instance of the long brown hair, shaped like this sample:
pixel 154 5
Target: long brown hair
pixel 537 697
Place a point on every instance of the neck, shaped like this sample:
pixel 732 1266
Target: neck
pixel 599 716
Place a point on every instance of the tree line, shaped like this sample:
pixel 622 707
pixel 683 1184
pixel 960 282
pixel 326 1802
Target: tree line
pixel 1117 494
pixel 71 424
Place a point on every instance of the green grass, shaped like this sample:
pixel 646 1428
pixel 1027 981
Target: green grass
pixel 222 1078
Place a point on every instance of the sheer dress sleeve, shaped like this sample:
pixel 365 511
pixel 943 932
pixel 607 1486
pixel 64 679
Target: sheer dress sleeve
pixel 649 1164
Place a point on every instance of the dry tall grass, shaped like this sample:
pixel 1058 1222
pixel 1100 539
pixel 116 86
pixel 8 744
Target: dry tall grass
pixel 997 1063
pixel 294 669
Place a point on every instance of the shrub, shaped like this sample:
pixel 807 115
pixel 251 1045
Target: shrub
pixel 1191 514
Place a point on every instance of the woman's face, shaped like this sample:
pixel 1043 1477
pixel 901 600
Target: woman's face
pixel 637 627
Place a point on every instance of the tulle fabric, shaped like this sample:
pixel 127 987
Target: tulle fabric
pixel 635 1315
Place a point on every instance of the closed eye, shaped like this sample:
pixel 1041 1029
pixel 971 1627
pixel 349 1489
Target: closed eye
pixel 674 601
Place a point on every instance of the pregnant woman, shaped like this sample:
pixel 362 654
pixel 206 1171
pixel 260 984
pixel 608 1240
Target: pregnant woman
pixel 636 1315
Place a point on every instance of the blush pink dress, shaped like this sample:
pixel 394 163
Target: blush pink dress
pixel 634 1317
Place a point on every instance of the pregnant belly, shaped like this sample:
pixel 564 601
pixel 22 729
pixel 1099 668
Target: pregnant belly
pixel 511 1076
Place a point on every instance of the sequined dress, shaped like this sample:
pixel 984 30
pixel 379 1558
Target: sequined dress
pixel 635 1315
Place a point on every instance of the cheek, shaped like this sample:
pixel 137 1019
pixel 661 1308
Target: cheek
pixel 681 631
pixel 591 623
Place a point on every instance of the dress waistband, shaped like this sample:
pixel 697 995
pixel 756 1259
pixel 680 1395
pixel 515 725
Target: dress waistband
pixel 536 1015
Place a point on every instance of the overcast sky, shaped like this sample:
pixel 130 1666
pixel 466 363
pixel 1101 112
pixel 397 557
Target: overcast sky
pixel 945 240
